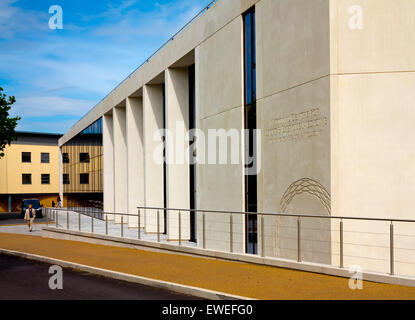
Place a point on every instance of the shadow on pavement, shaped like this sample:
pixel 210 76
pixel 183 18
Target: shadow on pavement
pixel 7 216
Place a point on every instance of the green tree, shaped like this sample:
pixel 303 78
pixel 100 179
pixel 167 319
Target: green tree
pixel 7 124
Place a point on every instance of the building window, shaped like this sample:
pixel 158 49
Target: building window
pixel 250 117
pixel 26 157
pixel 26 178
pixel 65 178
pixel 45 178
pixel 84 178
pixel 192 150
pixel 84 157
pixel 44 157
pixel 65 158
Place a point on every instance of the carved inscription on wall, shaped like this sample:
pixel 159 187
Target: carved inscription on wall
pixel 296 126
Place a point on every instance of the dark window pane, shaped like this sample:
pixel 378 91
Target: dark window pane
pixel 44 157
pixel 26 157
pixel 26 178
pixel 250 124
pixel 65 178
pixel 248 58
pixel 45 178
pixel 95 128
pixel 65 158
pixel 84 178
pixel 84 157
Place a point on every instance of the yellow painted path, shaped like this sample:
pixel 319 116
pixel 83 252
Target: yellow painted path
pixel 247 280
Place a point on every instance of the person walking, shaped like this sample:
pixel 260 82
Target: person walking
pixel 30 217
pixel 59 203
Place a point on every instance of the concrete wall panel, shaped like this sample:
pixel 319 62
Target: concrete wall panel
pixel 120 163
pixel 220 71
pixel 373 36
pixel 134 113
pixel 293 43
pixel 154 180
pixel 108 159
pixel 178 183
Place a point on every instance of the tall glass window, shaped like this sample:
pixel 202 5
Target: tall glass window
pixel 251 204
pixel 192 166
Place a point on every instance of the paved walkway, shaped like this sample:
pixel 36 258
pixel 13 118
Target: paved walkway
pixel 253 281
pixel 22 228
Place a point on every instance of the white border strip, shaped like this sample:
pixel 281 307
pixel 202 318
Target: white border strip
pixel 175 287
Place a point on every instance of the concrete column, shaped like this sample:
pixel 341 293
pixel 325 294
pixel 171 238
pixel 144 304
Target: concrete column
pixel 61 177
pixel 120 163
pixel 108 159
pixel 153 122
pixel 177 122
pixel 134 111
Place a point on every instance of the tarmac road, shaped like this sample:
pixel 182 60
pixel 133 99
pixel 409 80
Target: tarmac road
pixel 25 279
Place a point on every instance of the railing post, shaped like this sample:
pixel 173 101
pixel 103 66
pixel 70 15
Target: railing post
pixel 180 228
pixel 299 239
pixel 47 218
pixel 79 221
pixel 92 224
pixel 204 229
pixel 67 219
pixel 122 226
pixel 231 233
pixel 139 226
pixel 56 220
pixel 341 245
pixel 263 235
pixel 158 226
pixel 392 253
pixel 106 224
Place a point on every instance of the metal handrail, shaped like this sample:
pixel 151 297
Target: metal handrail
pixel 254 213
pixel 279 214
pixel 231 224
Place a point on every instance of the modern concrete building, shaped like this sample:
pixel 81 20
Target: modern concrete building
pixel 29 169
pixel 330 84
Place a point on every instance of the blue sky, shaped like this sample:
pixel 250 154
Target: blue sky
pixel 58 75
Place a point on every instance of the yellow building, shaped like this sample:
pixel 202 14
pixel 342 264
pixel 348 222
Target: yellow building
pixel 29 169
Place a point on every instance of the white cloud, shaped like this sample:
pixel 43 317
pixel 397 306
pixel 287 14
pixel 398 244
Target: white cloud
pixel 44 106
pixel 14 20
pixel 65 74
pixel 34 125
pixel 164 21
